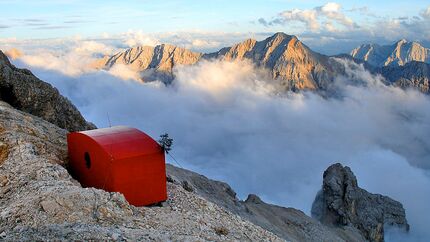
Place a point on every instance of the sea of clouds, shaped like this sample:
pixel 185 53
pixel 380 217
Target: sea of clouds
pixel 230 122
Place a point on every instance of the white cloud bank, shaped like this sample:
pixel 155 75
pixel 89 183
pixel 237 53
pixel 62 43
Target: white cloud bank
pixel 229 123
pixel 312 18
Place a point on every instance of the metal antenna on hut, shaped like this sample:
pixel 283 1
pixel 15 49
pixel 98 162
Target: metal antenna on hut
pixel 110 125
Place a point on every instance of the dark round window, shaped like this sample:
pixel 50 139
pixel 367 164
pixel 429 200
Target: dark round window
pixel 87 160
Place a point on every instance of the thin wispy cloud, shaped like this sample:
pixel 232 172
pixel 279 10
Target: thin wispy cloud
pixel 48 27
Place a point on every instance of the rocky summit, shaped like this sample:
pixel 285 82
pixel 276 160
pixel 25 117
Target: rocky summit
pixel 287 59
pixel 21 89
pixel 342 203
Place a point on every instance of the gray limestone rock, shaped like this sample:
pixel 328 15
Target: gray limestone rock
pixel 39 200
pixel 288 223
pixel 342 203
pixel 21 89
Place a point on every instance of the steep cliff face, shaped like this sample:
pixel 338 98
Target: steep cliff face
pixel 39 200
pixel 342 203
pixel 397 54
pixel 21 89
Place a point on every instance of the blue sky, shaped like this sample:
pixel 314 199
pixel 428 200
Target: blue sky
pixel 323 25
pixel 59 18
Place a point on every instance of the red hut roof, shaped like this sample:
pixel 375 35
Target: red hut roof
pixel 119 159
pixel 123 142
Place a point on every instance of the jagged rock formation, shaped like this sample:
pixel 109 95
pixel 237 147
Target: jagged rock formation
pixel 287 59
pixel 284 56
pixel 39 200
pixel 342 203
pixel 21 89
pixel 413 74
pixel 397 54
pixel 153 62
pixel 288 223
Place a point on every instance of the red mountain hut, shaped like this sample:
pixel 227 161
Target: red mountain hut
pixel 119 159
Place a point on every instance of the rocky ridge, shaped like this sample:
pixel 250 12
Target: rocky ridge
pixel 153 62
pixel 286 58
pixel 288 223
pixel 342 203
pixel 398 54
pixel 288 61
pixel 24 91
pixel 39 200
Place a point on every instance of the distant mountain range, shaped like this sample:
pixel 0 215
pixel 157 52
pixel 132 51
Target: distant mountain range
pixel 397 54
pixel 290 62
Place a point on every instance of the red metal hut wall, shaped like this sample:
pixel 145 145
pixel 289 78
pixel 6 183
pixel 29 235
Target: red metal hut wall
pixel 119 159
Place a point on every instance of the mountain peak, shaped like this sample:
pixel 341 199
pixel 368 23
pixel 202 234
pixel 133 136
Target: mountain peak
pixel 401 42
pixel 282 36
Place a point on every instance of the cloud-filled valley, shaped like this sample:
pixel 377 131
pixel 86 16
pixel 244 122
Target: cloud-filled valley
pixel 229 122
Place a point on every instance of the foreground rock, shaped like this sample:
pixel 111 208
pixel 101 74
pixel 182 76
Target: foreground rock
pixel 21 89
pixel 342 203
pixel 288 223
pixel 40 201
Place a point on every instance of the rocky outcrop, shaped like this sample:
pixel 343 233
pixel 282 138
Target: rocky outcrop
pixel 398 54
pixel 288 223
pixel 342 203
pixel 39 200
pixel 21 89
